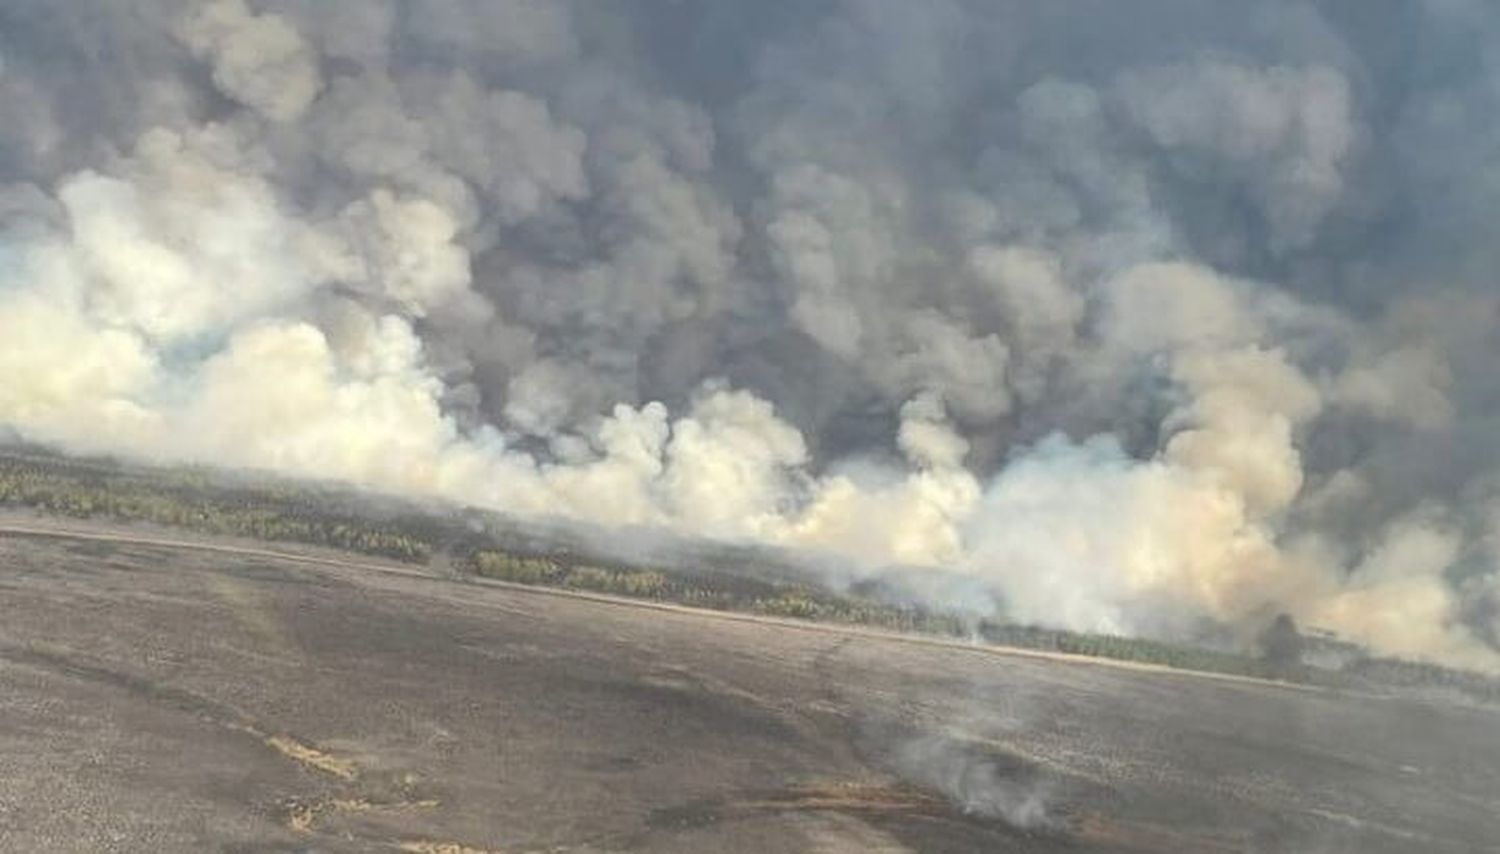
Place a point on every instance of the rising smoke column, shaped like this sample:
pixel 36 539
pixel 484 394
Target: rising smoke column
pixel 1140 319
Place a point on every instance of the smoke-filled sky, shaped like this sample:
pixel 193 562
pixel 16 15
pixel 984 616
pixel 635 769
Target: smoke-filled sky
pixel 1143 316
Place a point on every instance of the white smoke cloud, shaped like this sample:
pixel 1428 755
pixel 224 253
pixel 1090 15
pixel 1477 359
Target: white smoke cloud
pixel 181 245
pixel 261 61
pixel 1130 339
pixel 61 370
pixel 403 250
pixel 1397 599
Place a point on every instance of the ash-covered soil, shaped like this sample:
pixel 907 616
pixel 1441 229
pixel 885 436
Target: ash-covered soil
pixel 164 699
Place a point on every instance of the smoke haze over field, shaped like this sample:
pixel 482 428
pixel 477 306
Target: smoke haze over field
pixel 1144 316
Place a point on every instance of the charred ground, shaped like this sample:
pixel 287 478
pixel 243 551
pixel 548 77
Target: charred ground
pixel 168 698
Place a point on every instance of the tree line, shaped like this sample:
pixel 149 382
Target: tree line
pixel 203 501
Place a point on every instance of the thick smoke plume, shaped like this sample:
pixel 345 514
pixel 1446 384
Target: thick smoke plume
pixel 1146 317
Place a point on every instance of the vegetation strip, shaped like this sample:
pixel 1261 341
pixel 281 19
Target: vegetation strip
pixel 486 547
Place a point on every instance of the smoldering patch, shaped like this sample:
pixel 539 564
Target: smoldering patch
pixel 976 778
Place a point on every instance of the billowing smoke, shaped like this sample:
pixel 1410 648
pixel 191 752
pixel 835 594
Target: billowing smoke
pixel 1145 316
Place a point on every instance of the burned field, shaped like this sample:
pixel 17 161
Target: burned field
pixel 154 698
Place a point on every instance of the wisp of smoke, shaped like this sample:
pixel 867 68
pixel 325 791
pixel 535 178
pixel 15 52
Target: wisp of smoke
pixel 976 784
pixel 1134 317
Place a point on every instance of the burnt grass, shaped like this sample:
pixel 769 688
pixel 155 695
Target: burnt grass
pixel 161 697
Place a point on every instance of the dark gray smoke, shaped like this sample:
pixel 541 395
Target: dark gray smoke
pixel 1138 314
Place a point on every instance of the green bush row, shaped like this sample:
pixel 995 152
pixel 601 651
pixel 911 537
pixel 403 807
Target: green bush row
pixel 185 503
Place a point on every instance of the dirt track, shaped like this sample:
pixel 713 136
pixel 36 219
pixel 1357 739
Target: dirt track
pixel 159 695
